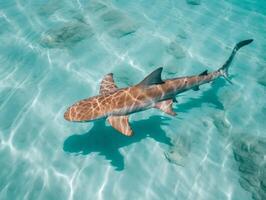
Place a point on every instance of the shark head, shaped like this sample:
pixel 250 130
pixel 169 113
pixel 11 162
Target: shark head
pixel 85 110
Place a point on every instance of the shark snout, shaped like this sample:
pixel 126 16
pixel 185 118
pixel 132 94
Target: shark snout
pixel 67 115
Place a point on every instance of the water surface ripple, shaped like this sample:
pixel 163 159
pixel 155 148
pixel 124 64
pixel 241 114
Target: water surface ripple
pixel 54 53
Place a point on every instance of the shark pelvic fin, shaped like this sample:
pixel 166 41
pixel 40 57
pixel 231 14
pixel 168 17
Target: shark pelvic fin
pixel 153 78
pixel 204 73
pixel 196 88
pixel 120 123
pixel 107 85
pixel 166 106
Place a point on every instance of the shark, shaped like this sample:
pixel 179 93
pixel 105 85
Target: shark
pixel 116 104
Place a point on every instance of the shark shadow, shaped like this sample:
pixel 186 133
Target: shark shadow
pixel 209 96
pixel 106 141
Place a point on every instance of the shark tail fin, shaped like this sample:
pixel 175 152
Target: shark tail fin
pixel 225 67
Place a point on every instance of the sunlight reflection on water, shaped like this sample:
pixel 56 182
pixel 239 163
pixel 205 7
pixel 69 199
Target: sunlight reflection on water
pixel 55 53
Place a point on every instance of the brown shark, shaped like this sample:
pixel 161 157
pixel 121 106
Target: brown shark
pixel 117 104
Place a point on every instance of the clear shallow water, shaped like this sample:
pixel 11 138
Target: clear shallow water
pixel 55 53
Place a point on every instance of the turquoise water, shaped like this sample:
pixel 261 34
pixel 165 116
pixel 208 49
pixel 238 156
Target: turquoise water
pixel 54 53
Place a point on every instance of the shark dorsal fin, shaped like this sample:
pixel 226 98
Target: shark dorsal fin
pixel 121 124
pixel 107 85
pixel 153 78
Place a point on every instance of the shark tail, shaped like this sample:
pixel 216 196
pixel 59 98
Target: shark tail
pixel 225 67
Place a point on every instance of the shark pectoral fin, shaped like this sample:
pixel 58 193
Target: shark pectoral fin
pixel 108 85
pixel 121 124
pixel 166 106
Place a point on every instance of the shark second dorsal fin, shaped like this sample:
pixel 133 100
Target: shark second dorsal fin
pixel 121 124
pixel 204 73
pixel 153 78
pixel 107 85
pixel 166 106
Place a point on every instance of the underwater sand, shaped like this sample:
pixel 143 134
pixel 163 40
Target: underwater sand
pixel 54 53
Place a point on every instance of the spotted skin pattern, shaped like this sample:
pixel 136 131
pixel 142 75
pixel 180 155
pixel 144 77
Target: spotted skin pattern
pixel 116 104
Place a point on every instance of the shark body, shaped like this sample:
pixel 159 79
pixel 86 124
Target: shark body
pixel 117 104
